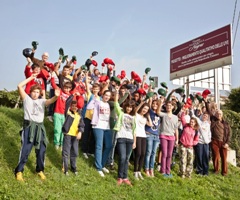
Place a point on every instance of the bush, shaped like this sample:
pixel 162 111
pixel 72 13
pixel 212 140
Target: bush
pixel 233 119
pixel 9 99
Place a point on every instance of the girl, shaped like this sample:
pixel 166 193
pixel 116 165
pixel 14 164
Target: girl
pixel 152 138
pixel 142 118
pixel 202 148
pixel 189 138
pixel 126 138
pixel 101 131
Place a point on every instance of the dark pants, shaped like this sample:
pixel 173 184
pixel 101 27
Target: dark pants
pixel 219 152
pixel 26 150
pixel 70 148
pixel 124 147
pixel 87 140
pixel 139 153
pixel 51 107
pixel 202 158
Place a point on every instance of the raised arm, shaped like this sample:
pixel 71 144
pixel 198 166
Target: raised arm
pixel 54 98
pixel 21 91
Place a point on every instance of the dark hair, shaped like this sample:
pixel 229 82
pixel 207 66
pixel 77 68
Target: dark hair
pixel 131 104
pixel 106 92
pixel 66 66
pixel 96 85
pixel 36 87
pixel 34 65
pixel 68 84
pixel 74 102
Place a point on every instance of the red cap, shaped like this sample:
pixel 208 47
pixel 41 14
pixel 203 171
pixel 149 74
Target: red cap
pixel 103 64
pixel 205 93
pixel 141 91
pixel 136 77
pixel 103 78
pixel 123 74
pixel 94 62
pixel 108 61
pixel 146 86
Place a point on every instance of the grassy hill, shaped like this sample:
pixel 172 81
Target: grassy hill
pixel 88 184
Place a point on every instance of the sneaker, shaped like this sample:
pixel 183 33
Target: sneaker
pixel 112 166
pixel 56 147
pixel 140 176
pixel 136 175
pixel 91 154
pixel 126 181
pixel 50 118
pixel 66 173
pixel 19 176
pixel 167 175
pixel 85 155
pixel 183 176
pixel 41 174
pixel 147 173
pixel 159 167
pixel 170 175
pixel 151 172
pixel 101 173
pixel 119 181
pixel 105 170
pixel 76 173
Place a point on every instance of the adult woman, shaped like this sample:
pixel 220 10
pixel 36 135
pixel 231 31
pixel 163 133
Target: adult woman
pixel 101 131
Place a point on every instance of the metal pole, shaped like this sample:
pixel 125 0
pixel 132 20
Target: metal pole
pixel 216 90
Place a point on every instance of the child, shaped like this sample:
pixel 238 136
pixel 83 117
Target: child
pixel 189 138
pixel 126 138
pixel 168 137
pixel 202 148
pixel 72 129
pixel 152 137
pixel 142 118
pixel 58 117
pixel 34 132
pixel 101 131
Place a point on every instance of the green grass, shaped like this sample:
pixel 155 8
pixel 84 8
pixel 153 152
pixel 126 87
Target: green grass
pixel 88 184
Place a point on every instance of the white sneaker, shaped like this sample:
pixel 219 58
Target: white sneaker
pixel 105 170
pixel 50 118
pixel 91 155
pixel 101 173
pixel 136 175
pixel 140 176
pixel 158 167
pixel 85 155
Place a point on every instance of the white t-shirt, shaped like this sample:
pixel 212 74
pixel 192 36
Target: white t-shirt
pixel 34 109
pixel 126 130
pixel 140 126
pixel 104 116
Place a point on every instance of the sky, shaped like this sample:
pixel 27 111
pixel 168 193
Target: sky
pixel 135 34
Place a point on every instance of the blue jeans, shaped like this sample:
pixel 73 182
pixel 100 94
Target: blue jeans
pixel 103 138
pixel 110 160
pixel 152 145
pixel 202 158
pixel 124 147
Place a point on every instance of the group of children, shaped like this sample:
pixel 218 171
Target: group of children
pixel 108 112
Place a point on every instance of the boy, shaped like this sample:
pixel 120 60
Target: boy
pixel 33 69
pixel 72 129
pixel 34 132
pixel 58 117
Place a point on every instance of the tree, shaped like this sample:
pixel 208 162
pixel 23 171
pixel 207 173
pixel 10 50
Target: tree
pixel 233 101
